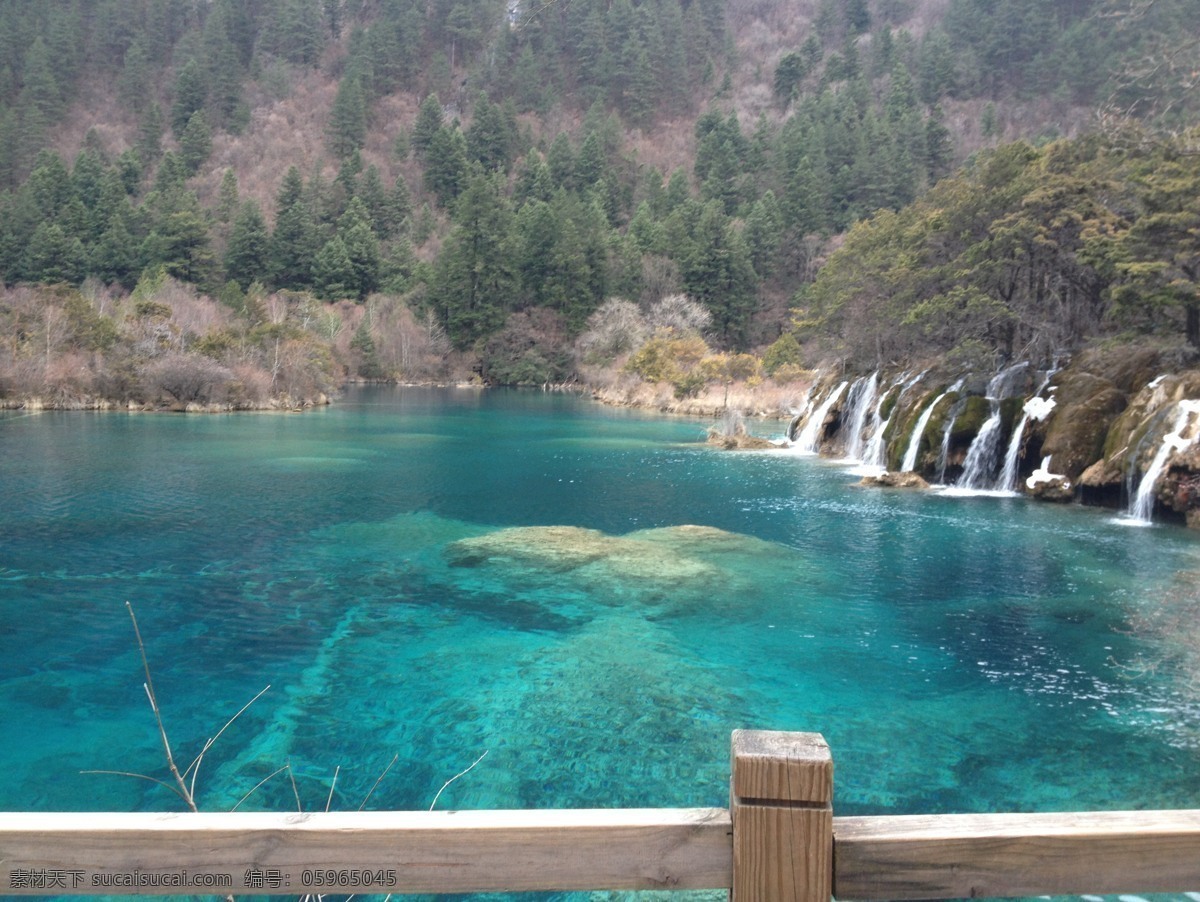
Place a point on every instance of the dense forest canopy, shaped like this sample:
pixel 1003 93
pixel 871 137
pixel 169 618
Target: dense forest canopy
pixel 499 170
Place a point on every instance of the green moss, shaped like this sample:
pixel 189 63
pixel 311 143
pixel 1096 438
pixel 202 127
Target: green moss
pixel 970 420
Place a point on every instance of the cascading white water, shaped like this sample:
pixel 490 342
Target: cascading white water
pixel 874 456
pixel 1142 506
pixel 809 438
pixel 876 453
pixel 1036 408
pixel 914 440
pixel 1008 475
pixel 981 456
pixel 861 401
pixel 944 454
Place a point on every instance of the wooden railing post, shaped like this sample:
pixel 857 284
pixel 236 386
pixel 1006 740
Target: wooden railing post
pixel 781 802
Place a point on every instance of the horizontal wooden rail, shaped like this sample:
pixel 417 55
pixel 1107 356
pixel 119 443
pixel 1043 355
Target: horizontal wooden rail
pixel 368 851
pixel 778 842
pixel 954 856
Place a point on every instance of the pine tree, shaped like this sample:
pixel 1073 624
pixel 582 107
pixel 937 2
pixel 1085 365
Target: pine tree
pixel 114 258
pixel 363 342
pixel 490 138
pixel 475 279
pixel 294 241
pixel 332 271
pixel 191 91
pixel 52 256
pixel 428 124
pixel 362 249
pixel 133 84
pixel 247 255
pixel 150 129
pixel 446 165
pixel 227 196
pixel 195 144
pixel 717 273
pixel 348 118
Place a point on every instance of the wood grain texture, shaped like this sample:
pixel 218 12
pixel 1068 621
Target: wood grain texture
pixel 962 856
pixel 440 851
pixel 792 767
pixel 780 798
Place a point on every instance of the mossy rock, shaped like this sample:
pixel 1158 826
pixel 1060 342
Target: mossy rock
pixel 1076 434
pixel 976 412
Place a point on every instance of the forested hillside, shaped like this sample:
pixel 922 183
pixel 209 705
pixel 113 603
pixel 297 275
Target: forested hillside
pixel 389 188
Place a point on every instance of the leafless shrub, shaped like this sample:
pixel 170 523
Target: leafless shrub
pixel 186 378
pixel 411 347
pixel 616 327
pixel 680 314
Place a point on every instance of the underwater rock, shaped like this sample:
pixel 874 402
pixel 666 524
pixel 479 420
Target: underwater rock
pixel 888 479
pixel 587 552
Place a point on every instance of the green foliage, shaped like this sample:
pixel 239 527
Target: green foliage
pixel 531 349
pixel 247 256
pixel 783 352
pixel 348 118
pixel 195 144
pixel 191 91
pixel 475 279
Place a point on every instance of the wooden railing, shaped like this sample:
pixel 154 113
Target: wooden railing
pixel 777 842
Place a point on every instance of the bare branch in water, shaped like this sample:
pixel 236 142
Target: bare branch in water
pixel 455 777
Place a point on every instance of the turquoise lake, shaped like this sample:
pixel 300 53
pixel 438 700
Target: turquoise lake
pixel 594 597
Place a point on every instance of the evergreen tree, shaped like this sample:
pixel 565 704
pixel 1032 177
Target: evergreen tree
pixel 191 91
pixel 939 148
pixel 150 129
pixel 763 234
pixel 133 85
pixel 228 200
pixel 294 241
pixel 348 118
pixel 446 165
pixel 179 242
pixel 332 272
pixel 52 256
pixel 363 342
pixel 195 144
pixel 560 160
pixel 247 255
pixel 294 31
pixel 428 124
pixel 475 279
pixel 717 273
pixel 490 138
pixel 114 258
pixel 362 250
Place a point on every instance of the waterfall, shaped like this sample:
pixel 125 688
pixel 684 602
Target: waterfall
pixel 861 400
pixel 1142 507
pixel 914 440
pixel 1008 475
pixel 946 433
pixel 809 438
pixel 981 456
pixel 875 454
pixel 1036 408
pixel 983 453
